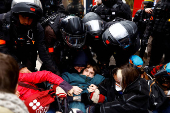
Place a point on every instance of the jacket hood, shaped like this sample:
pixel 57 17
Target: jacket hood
pixel 81 59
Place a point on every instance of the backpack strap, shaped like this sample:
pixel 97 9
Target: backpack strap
pixel 29 86
pixel 151 88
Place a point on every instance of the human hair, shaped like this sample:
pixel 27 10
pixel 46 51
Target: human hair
pixel 129 75
pixel 141 72
pixel 94 66
pixel 9 72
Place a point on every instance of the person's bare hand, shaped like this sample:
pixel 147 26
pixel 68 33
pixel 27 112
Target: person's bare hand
pixel 92 88
pixel 77 90
pixel 70 92
pixel 24 70
pixel 148 10
pixel 17 93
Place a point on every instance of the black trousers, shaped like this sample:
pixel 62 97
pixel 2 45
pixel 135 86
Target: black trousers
pixel 160 47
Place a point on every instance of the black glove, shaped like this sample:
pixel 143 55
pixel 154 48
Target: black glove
pixel 94 108
pixel 97 108
pixel 85 98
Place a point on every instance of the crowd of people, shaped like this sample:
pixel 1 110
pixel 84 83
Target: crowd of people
pixel 66 39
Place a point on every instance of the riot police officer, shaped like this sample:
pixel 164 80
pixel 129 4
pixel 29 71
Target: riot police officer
pixel 141 18
pixel 65 38
pixel 22 35
pixel 160 31
pixel 120 38
pixel 94 29
pixel 113 8
pixel 106 42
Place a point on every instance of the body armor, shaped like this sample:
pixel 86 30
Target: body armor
pixel 117 10
pixel 160 22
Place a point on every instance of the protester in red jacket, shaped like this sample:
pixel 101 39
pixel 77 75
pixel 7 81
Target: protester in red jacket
pixel 39 77
pixel 42 100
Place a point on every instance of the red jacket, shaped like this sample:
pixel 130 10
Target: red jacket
pixel 39 77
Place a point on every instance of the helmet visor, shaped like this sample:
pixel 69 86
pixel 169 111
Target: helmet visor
pixel 120 34
pixel 76 41
pixel 94 25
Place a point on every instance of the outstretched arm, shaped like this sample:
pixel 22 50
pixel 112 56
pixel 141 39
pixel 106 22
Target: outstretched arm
pixel 42 76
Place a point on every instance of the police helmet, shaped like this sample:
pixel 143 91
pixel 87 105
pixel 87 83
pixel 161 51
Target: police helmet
pixel 122 34
pixel 136 61
pixel 94 25
pixel 73 32
pixel 31 7
pixel 109 3
pixel 148 3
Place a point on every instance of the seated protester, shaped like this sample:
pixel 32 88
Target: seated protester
pixel 135 97
pixel 137 62
pixel 27 84
pixel 161 73
pixel 9 72
pixel 82 83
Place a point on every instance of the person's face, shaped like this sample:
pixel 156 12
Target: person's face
pixel 25 20
pixel 78 68
pixel 116 79
pixel 118 76
pixel 89 72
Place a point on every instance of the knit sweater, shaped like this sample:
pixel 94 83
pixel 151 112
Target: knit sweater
pixel 12 103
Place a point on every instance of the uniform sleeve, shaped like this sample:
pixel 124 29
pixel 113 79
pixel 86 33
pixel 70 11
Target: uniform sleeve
pixel 6 44
pixel 151 23
pixel 137 16
pixel 45 58
pixel 42 76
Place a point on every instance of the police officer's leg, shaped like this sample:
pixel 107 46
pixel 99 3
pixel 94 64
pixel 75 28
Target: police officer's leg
pixel 30 61
pixel 156 51
pixel 149 46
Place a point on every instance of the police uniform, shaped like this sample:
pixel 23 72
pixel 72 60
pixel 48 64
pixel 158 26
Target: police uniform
pixel 58 48
pixel 118 9
pixel 141 18
pixel 22 42
pixel 159 29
